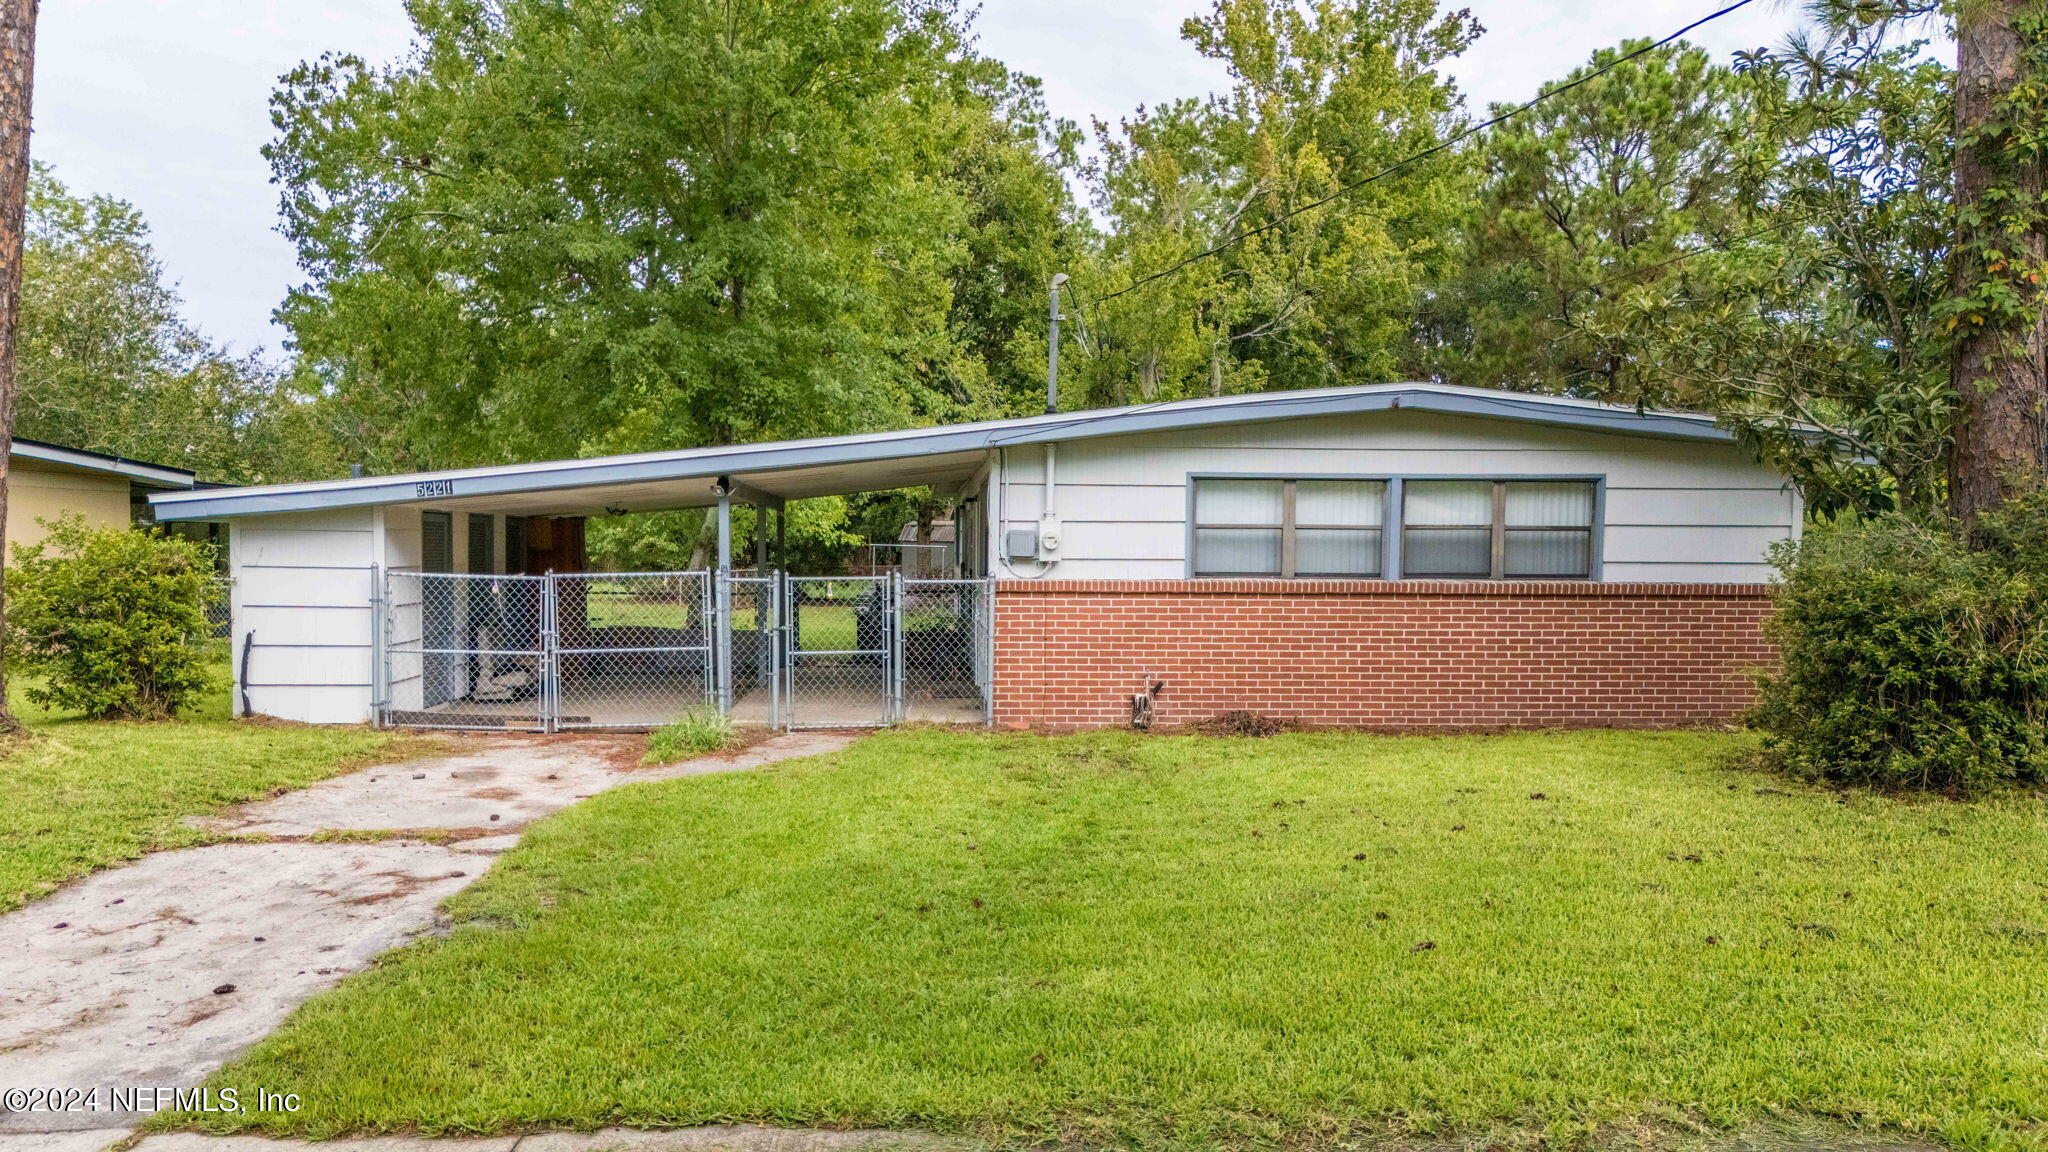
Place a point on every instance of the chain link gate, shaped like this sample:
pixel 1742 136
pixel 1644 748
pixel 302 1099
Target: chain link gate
pixel 752 650
pixel 630 649
pixel 635 650
pixel 839 651
pixel 943 634
pixel 465 651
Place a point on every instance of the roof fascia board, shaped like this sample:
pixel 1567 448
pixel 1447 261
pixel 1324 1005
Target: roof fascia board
pixel 414 489
pixel 99 462
pixel 933 442
pixel 1533 410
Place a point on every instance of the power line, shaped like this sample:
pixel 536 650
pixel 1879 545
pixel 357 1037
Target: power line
pixel 1080 319
pixel 1424 154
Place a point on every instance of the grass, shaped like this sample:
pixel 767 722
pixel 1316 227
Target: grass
pixel 1185 941
pixel 699 732
pixel 824 625
pixel 821 626
pixel 84 795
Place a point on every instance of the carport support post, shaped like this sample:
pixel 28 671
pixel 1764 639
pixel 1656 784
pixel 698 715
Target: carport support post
pixel 723 579
pixel 724 491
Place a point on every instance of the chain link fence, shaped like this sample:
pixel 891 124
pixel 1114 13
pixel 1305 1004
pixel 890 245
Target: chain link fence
pixel 641 649
pixel 942 640
pixel 752 649
pixel 632 649
pixel 838 640
pixel 219 607
pixel 464 651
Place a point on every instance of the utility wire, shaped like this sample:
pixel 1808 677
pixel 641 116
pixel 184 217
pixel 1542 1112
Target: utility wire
pixel 1425 154
pixel 1080 319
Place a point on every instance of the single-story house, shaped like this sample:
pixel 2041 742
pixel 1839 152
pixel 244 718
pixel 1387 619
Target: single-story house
pixel 1400 555
pixel 47 481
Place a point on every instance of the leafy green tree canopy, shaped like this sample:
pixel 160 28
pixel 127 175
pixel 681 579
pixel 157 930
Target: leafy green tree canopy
pixel 106 363
pixel 1583 196
pixel 1324 94
pixel 606 226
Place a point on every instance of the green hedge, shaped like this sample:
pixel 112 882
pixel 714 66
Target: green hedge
pixel 1910 661
pixel 110 622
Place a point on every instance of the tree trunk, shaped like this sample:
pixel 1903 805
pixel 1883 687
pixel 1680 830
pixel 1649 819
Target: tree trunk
pixel 17 80
pixel 2001 424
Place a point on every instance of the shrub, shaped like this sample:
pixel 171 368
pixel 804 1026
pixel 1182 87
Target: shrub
pixel 696 733
pixel 1910 661
pixel 109 621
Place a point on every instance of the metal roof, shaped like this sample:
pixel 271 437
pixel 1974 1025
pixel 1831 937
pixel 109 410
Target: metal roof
pixel 138 471
pixel 913 452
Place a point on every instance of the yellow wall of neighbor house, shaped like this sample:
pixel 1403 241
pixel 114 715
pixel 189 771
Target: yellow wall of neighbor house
pixel 36 492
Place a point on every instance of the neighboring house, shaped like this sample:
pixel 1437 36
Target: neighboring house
pixel 1403 555
pixel 46 481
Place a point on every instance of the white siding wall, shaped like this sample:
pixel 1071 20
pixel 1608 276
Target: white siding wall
pixel 304 585
pixel 1675 510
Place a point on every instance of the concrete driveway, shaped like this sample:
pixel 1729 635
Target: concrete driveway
pixel 156 974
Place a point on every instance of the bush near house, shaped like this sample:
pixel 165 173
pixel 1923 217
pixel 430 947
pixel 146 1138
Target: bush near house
pixel 109 622
pixel 1911 660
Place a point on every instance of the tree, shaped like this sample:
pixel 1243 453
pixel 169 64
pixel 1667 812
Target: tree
pixel 1819 331
pixel 1583 198
pixel 17 80
pixel 1765 242
pixel 614 226
pixel 1324 94
pixel 105 362
pixel 2000 377
pixel 1998 262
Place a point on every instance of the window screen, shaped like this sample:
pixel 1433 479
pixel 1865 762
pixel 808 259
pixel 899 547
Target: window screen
pixel 437 542
pixel 1337 526
pixel 1548 529
pixel 1238 527
pixel 1497 529
pixel 1447 528
pixel 515 545
pixel 1280 527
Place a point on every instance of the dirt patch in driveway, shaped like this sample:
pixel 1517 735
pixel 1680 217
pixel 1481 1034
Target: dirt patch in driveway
pixel 149 974
pixel 496 783
pixel 157 973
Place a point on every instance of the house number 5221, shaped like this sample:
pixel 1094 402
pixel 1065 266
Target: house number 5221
pixel 435 488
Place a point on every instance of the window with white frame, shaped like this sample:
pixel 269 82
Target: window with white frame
pixel 1288 527
pixel 1497 529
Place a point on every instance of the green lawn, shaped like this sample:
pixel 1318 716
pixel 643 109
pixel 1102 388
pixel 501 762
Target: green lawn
pixel 1182 941
pixel 826 626
pixel 84 795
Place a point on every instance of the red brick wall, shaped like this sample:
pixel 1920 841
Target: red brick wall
pixel 1402 654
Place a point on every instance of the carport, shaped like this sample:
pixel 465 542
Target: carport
pixel 482 611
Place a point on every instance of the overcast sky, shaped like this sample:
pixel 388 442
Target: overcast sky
pixel 163 102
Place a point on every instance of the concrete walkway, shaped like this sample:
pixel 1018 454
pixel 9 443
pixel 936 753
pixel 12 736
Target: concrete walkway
pixel 156 974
